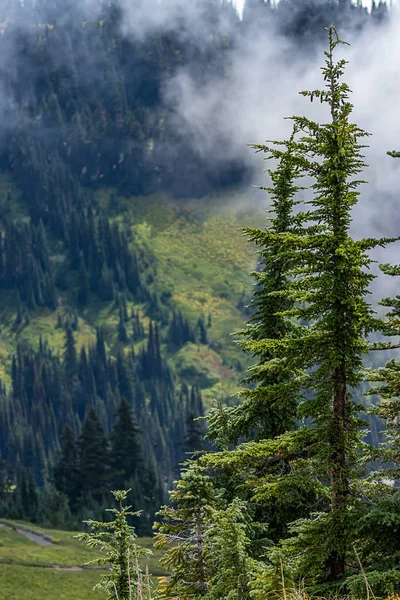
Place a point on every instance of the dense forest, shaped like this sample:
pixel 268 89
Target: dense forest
pixel 83 108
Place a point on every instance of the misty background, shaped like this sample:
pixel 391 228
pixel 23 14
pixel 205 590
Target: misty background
pixel 229 76
pixel 236 83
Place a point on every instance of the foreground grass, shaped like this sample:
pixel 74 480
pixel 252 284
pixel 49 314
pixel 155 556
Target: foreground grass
pixel 66 551
pixel 30 571
pixel 19 582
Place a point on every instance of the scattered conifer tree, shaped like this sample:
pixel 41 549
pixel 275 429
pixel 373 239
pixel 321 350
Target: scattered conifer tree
pixel 93 453
pixel 379 526
pixel 122 334
pixel 202 329
pixel 18 318
pixel 66 470
pixel 116 540
pixel 70 356
pixel 233 570
pixel 84 290
pixel 126 450
pixel 183 526
pixel 209 555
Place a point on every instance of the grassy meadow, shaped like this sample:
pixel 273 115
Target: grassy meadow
pixel 29 571
pixel 204 261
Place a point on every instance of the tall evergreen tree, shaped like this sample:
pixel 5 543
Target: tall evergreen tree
pixel 328 284
pixel 269 407
pixel 28 496
pixel 70 356
pixel 93 452
pixel 201 326
pixel 84 285
pixel 122 334
pixel 264 412
pixel 126 449
pixel 66 469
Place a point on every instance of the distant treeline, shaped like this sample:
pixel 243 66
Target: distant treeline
pixel 76 425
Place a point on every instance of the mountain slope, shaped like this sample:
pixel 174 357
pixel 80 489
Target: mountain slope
pixel 164 343
pixel 202 262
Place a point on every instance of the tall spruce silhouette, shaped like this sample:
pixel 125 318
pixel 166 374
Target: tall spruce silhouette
pixel 327 283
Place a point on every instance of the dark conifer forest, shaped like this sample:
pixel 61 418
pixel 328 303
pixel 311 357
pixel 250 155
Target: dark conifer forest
pixel 88 122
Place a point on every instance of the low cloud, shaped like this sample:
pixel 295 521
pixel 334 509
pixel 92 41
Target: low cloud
pixel 250 103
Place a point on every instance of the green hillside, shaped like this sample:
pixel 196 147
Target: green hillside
pixel 154 328
pixel 203 262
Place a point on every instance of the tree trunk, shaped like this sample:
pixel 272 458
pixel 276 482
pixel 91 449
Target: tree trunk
pixel 201 584
pixel 339 477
